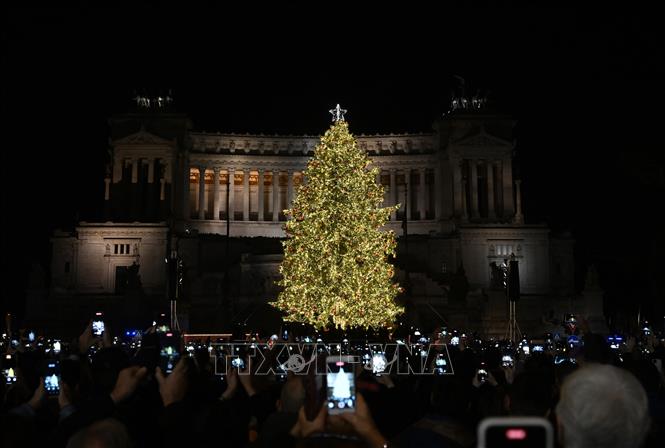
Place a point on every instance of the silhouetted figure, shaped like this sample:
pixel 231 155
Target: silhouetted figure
pixel 459 286
pixel 133 277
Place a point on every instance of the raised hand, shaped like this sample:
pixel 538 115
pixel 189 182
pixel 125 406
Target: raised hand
pixel 245 377
pixel 231 384
pixel 86 339
pixel 304 428
pixel 127 382
pixel 38 397
pixel 362 422
pixel 173 387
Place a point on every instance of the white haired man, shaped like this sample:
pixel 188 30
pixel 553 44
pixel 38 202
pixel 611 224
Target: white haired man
pixel 602 406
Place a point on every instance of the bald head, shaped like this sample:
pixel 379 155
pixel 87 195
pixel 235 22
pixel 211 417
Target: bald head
pixel 602 406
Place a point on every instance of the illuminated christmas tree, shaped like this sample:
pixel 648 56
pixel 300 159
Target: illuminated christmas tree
pixel 336 271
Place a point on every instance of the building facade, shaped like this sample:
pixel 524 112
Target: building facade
pixel 172 188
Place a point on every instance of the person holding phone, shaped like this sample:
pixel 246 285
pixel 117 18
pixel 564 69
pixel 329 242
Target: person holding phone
pixel 360 420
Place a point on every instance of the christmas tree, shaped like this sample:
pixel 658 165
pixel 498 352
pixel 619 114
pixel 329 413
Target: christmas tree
pixel 336 271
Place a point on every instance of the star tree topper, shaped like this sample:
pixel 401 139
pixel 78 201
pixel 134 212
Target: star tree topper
pixel 337 113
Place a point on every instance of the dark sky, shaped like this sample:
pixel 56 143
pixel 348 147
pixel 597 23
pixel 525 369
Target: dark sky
pixel 585 85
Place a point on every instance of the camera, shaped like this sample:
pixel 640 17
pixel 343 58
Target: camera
pixel 341 384
pixel 98 324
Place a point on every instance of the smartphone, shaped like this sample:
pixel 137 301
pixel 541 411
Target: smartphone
pixel 52 377
pixel 98 324
pixel 538 348
pixel 454 340
pixel 237 362
pixel 341 384
pixel 162 324
pixel 31 336
pixel 440 365
pixel 9 369
pixel 515 432
pixel 507 361
pixel 379 363
pixel 169 354
pixel 481 373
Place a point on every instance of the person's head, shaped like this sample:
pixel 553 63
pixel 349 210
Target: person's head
pixel 596 349
pixel 107 433
pixel 292 395
pixel 529 395
pixel 602 406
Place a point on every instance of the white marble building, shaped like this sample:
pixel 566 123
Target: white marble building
pixel 463 205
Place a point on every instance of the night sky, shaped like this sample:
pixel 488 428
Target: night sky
pixel 586 87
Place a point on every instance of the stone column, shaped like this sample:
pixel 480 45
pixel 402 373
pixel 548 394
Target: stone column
pixel 117 169
pixel 458 191
pixel 422 196
pixel 519 218
pixel 289 188
pixel 135 170
pixel 275 195
pixel 508 207
pixel 162 189
pixel 230 213
pixel 215 193
pixel 202 192
pixel 261 193
pixel 407 190
pixel 465 213
pixel 438 191
pixel 151 170
pixel 491 213
pixel 107 188
pixel 270 196
pixel 474 188
pixel 393 194
pixel 245 195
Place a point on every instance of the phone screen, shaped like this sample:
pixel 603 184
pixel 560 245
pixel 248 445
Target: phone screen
pixel 238 363
pixel 379 363
pixel 454 340
pixel 52 378
pixel 9 369
pixel 168 354
pixel 440 365
pixel 507 361
pixel 341 386
pixel 98 324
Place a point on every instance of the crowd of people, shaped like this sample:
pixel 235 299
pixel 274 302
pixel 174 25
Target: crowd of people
pixel 128 390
